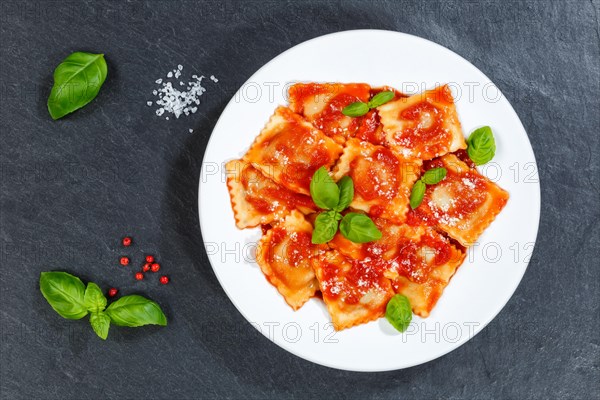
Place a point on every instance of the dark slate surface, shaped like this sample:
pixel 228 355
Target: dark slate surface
pixel 70 189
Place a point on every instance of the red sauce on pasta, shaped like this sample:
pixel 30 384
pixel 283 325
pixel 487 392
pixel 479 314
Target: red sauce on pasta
pixel 468 191
pixel 370 128
pixel 377 176
pixel 299 248
pixel 427 129
pixel 267 196
pixel 463 156
pixel 329 119
pixel 353 283
pixel 298 152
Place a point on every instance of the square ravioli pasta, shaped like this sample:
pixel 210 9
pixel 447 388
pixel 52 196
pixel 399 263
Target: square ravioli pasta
pixel 382 180
pixel 284 255
pixel 463 204
pixel 289 150
pixel 322 105
pixel 423 126
pixel 257 200
pixel 354 292
pixel 418 260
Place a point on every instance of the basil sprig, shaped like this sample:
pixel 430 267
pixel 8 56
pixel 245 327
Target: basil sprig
pixel 77 81
pixel 67 295
pixel 335 198
pixel 481 146
pixel 430 177
pixel 398 312
pixel 359 108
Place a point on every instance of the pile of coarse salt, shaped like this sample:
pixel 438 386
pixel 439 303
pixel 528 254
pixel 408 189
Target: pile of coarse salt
pixel 178 101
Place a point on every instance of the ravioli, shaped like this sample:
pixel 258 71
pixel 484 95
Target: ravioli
pixel 423 126
pixel 322 105
pixel 257 200
pixel 463 204
pixel 418 260
pixel 382 180
pixel 289 150
pixel 353 291
pixel 424 295
pixel 284 255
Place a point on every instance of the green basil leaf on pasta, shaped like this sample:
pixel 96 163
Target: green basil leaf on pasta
pixel 417 194
pixel 326 226
pixel 357 109
pixel 77 81
pixel 434 175
pixel 100 323
pixel 380 99
pixel 398 312
pixel 93 299
pixel 135 310
pixel 481 146
pixel 65 294
pixel 323 190
pixel 346 186
pixel 359 228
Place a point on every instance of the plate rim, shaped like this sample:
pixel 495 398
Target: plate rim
pixel 536 204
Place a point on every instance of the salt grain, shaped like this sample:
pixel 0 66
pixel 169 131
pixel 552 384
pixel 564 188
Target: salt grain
pixel 177 101
pixel 212 78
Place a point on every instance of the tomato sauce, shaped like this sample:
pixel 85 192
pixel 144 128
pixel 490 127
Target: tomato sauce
pixel 265 228
pixel 299 152
pixel 298 248
pixel 463 156
pixel 302 173
pixel 370 128
pixel 468 189
pixel 376 177
pixel 330 119
pixel 266 196
pixel 426 130
pixel 353 278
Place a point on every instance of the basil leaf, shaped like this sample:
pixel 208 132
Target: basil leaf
pixel 100 323
pixel 398 312
pixel 93 299
pixel 356 109
pixel 417 193
pixel 359 228
pixel 77 81
pixel 323 190
pixel 380 99
pixel 346 186
pixel 326 225
pixel 481 146
pixel 135 310
pixel 434 175
pixel 65 293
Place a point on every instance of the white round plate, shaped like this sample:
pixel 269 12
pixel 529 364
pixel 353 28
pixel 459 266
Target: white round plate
pixel 493 268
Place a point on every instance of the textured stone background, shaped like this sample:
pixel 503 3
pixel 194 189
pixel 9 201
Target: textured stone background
pixel 70 189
